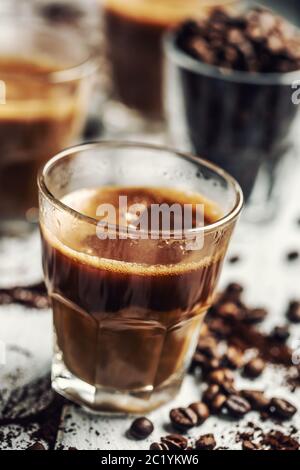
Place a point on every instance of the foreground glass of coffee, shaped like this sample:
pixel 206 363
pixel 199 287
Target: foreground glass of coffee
pixel 45 83
pixel 128 304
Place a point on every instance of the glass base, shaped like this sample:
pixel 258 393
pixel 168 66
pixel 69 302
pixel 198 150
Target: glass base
pixel 97 399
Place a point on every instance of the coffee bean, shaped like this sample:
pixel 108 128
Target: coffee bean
pixel 158 446
pixel 233 358
pixel 280 334
pixel 206 442
pixel 198 360
pixel 227 388
pixel 249 445
pixel 254 368
pixel 234 288
pixel 210 393
pixel 175 442
pixel 211 365
pixel 255 315
pixel 282 409
pixel 221 376
pixel 36 446
pixel 292 255
pixel 237 406
pixel 208 347
pixel 219 327
pixel 141 428
pixel 257 399
pixel 293 313
pixel 183 419
pixel 234 259
pixel 5 298
pixel 201 410
pixel 217 403
pixel 228 310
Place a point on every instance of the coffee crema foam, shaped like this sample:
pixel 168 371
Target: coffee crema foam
pixel 82 244
pixel 30 91
pixel 163 12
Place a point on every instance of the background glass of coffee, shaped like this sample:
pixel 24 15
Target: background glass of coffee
pixel 133 38
pixel 127 311
pixel 46 78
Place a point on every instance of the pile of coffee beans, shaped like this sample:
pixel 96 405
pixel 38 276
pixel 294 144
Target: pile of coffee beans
pixel 234 324
pixel 256 41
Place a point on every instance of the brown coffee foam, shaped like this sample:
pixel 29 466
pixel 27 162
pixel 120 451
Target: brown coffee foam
pixel 164 13
pixel 76 243
pixel 30 92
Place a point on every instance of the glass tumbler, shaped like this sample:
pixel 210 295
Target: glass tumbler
pixel 46 78
pixel 127 310
pixel 133 33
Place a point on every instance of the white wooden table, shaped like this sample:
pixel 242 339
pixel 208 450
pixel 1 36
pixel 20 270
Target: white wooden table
pixel 270 281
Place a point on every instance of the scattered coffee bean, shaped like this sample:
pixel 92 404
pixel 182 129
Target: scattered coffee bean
pixel 255 315
pixel 254 368
pixel 183 419
pixel 206 442
pixel 293 313
pixel 234 259
pixel 233 358
pixel 201 410
pixel 175 442
pixel 292 255
pixel 36 446
pixel 228 310
pixel 158 446
pixel 208 347
pixel 280 334
pixel 141 428
pixel 237 406
pixel 210 393
pixel 233 291
pixel 217 403
pixel 249 445
pixel 282 409
pixel 221 376
pixel 257 399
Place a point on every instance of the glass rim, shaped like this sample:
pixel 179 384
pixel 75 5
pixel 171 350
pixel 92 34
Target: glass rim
pixel 83 68
pixel 184 60
pixel 119 144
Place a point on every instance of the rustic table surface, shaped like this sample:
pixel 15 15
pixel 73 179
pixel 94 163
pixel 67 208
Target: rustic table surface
pixel 29 410
pixel 26 337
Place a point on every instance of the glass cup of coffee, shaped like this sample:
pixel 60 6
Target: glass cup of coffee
pixel 45 83
pixel 133 41
pixel 133 239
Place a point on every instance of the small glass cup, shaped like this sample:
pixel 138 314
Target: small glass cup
pixel 133 33
pixel 127 311
pixel 244 122
pixel 45 84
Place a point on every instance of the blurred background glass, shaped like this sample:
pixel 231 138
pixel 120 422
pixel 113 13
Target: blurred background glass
pixel 133 42
pixel 47 75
